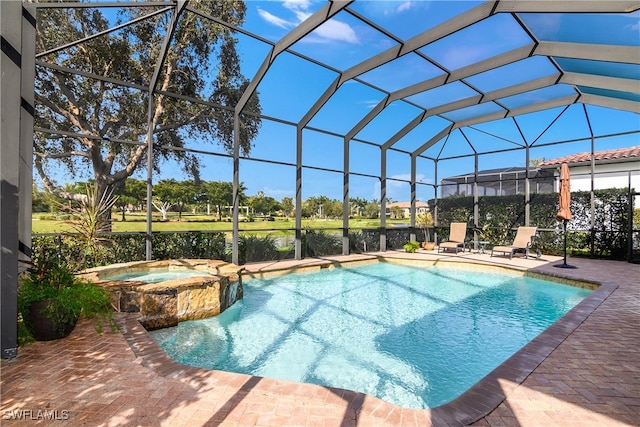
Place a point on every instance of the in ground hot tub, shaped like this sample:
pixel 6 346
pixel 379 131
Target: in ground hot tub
pixel 157 275
pixel 171 291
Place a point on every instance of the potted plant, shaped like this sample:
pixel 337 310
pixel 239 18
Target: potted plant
pixel 51 299
pixel 411 246
pixel 425 221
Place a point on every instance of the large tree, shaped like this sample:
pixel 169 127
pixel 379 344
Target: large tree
pixel 287 206
pixel 102 124
pixel 357 205
pixel 220 194
pixel 262 204
pixel 132 192
pixel 164 197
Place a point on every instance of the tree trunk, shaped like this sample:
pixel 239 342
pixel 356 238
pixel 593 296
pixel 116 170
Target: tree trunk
pixel 105 188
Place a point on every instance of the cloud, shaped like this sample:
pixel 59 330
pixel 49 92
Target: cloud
pixel 397 191
pixel 296 4
pixel 401 177
pixel 405 6
pixel 371 103
pixel 420 177
pixel 301 15
pixel 333 30
pixel 375 194
pixel 272 19
pixel 278 194
pixel 395 7
pixel 545 26
pixel 459 56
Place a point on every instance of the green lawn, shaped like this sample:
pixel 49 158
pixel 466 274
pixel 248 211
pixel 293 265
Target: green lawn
pixel 136 223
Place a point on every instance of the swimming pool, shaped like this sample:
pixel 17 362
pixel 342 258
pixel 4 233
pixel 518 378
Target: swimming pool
pixel 414 337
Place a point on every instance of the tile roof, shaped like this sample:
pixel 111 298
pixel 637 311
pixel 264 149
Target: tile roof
pixel 617 154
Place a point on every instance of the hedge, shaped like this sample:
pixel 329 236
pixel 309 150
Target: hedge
pixel 500 216
pixel 117 248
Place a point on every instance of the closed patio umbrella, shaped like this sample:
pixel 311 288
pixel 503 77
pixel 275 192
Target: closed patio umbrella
pixel 564 211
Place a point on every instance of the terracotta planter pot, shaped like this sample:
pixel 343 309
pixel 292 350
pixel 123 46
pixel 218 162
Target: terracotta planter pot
pixel 428 246
pixel 42 328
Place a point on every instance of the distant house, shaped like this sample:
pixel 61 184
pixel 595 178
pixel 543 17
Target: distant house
pixel 498 182
pixel 406 208
pixel 617 168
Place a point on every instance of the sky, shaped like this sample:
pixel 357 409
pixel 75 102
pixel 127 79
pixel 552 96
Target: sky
pixel 292 85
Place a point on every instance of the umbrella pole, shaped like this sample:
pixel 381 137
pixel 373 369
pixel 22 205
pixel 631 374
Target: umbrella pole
pixel 565 242
pixel 564 264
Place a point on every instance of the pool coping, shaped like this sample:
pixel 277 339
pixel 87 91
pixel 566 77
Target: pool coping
pixel 474 404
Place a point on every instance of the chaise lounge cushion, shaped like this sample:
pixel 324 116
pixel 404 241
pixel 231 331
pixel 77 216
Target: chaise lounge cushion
pixel 457 237
pixel 521 242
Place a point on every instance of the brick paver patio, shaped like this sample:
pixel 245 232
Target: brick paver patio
pixel 583 371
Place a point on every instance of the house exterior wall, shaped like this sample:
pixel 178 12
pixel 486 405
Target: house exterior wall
pixel 406 208
pixel 605 176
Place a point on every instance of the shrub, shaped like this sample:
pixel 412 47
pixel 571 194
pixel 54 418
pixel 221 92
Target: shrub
pixel 365 240
pixel 126 247
pixel 503 214
pixel 397 237
pixel 51 280
pixel 320 242
pixel 252 248
pixel 411 246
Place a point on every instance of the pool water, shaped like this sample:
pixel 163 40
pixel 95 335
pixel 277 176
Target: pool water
pixel 155 276
pixel 414 337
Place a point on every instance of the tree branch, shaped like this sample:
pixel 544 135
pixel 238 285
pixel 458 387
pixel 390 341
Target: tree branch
pixel 50 186
pixel 141 149
pixel 76 119
pixel 176 125
pixel 63 155
pixel 63 112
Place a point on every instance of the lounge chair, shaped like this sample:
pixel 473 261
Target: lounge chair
pixel 522 242
pixel 457 237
